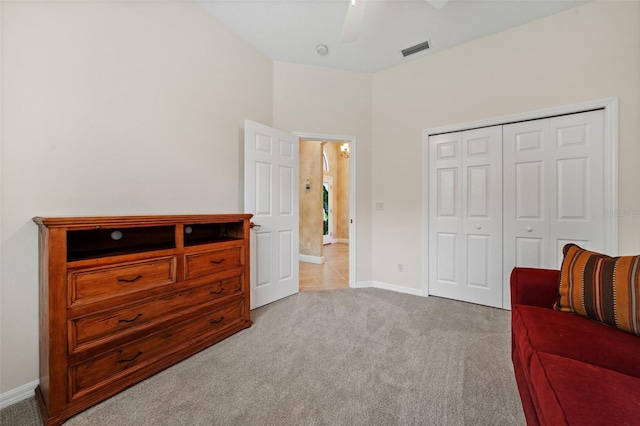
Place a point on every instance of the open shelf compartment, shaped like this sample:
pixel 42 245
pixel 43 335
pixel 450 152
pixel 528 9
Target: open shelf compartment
pixel 207 233
pixel 103 242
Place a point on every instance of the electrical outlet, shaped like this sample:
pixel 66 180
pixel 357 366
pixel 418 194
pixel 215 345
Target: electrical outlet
pixel 400 267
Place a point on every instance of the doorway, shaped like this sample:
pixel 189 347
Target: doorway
pixel 327 212
pixel 328 226
pixel 333 274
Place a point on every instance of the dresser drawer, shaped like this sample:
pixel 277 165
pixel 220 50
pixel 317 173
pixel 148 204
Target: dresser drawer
pixel 98 329
pixel 211 262
pixel 95 284
pixel 117 363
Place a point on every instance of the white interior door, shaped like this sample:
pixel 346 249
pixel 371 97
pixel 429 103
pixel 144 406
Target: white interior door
pixel 529 200
pixel 447 274
pixel 482 208
pixel 554 189
pixel 578 171
pixel 465 216
pixel 271 195
pixel 558 184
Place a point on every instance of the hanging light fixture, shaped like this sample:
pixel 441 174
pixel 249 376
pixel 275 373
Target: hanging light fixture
pixel 344 150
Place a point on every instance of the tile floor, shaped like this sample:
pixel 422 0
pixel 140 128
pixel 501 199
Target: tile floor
pixel 333 274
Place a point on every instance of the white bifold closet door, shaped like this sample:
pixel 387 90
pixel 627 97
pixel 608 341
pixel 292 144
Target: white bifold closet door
pixel 465 216
pixel 553 189
pixel 512 195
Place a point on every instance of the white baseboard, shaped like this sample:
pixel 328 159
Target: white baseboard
pixel 18 394
pixel 318 260
pixel 390 287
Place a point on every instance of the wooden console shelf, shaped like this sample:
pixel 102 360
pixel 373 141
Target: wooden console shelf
pixel 122 298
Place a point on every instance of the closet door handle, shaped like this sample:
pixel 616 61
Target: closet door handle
pixel 529 229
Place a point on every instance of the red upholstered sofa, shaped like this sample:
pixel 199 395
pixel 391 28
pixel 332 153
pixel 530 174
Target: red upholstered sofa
pixel 570 370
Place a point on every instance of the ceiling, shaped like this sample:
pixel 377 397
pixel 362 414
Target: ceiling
pixel 290 30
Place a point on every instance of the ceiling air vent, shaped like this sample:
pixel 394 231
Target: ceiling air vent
pixel 415 49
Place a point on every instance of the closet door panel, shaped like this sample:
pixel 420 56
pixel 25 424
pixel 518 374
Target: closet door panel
pixel 512 195
pixel 447 253
pixel 528 197
pixel 478 261
pixel 446 274
pixel 553 189
pixel 573 189
pixel 529 191
pixel 447 190
pixel 478 191
pixel 482 206
pixel 447 227
pixel 529 252
pixel 579 184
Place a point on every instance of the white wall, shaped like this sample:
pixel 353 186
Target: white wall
pixel 587 53
pixel 113 108
pixel 321 100
pixel 137 108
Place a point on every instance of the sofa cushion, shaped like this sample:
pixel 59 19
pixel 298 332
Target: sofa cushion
pixel 571 392
pixel 529 405
pixel 538 329
pixel 603 288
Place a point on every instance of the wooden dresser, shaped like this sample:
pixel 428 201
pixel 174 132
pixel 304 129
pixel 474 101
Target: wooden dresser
pixel 122 298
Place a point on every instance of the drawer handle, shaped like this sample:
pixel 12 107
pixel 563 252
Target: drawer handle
pixel 217 262
pixel 217 292
pixel 131 320
pixel 124 280
pixel 216 322
pixel 131 359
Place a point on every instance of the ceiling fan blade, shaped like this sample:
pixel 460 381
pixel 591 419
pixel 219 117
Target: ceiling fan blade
pixel 353 21
pixel 438 4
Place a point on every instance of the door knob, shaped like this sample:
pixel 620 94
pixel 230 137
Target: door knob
pixel 253 225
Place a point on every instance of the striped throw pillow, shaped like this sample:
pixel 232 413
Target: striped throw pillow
pixel 603 288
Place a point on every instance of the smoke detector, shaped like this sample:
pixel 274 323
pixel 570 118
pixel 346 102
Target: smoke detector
pixel 322 49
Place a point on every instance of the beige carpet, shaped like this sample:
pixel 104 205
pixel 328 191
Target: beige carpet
pixel 340 357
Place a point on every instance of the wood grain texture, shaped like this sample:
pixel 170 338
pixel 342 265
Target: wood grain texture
pixel 112 319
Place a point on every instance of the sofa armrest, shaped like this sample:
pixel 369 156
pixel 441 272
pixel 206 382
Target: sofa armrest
pixel 532 286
